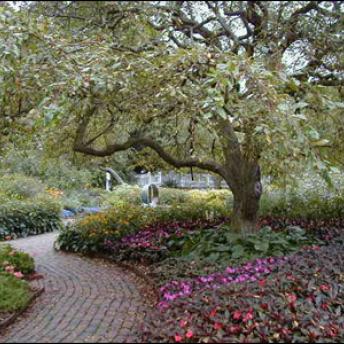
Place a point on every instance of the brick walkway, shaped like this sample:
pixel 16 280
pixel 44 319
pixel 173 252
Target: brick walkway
pixel 85 300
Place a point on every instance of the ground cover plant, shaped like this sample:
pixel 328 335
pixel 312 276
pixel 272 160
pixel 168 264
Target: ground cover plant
pixel 15 293
pixel 298 298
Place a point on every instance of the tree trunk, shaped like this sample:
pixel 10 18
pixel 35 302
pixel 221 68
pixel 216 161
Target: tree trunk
pixel 247 190
pixel 245 211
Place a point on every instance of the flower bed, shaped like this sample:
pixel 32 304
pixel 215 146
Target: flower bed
pixel 253 302
pixel 93 233
pixel 15 293
pixel 295 299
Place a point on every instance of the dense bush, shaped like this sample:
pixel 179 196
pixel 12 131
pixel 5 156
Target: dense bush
pixel 23 218
pixel 151 243
pixel 226 247
pixel 294 299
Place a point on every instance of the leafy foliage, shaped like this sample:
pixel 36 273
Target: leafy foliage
pixel 214 246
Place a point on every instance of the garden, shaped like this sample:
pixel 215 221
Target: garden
pixel 94 96
pixel 281 284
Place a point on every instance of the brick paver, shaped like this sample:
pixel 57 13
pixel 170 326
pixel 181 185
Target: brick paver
pixel 85 300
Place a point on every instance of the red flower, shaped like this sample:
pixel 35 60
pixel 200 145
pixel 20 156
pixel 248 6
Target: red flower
pixel 262 283
pixel 247 317
pixel 235 329
pixel 237 315
pixel 213 313
pixel 324 306
pixel 291 298
pixel 178 338
pixel 189 334
pixel 264 306
pixel 325 287
pixel 218 326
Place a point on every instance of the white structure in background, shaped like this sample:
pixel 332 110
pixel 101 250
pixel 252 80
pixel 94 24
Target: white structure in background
pixel 111 174
pixel 200 181
pixel 108 182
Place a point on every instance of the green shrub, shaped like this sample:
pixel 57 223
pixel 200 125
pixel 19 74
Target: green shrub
pixel 171 195
pixel 168 196
pixel 90 232
pixel 122 193
pixel 23 218
pixel 20 260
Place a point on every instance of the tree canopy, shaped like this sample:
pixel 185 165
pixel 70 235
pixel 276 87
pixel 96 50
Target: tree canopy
pixel 234 88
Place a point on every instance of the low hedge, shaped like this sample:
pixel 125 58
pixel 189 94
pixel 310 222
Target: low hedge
pixel 306 205
pixel 23 218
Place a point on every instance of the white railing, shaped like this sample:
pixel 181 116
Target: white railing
pixel 199 180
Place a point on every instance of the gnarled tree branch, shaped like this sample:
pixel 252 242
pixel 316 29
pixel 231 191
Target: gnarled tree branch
pixel 82 147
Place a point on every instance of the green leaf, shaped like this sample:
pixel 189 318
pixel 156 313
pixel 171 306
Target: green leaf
pixel 262 246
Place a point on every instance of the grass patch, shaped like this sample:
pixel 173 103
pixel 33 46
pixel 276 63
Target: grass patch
pixel 15 294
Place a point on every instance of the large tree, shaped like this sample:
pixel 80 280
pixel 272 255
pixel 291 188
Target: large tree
pixel 227 87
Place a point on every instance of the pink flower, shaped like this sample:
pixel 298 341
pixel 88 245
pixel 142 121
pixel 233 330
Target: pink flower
pixel 291 298
pixel 237 315
pixel 178 338
pixel 230 270
pixel 247 317
pixel 189 334
pixel 218 326
pixel 325 287
pixel 18 275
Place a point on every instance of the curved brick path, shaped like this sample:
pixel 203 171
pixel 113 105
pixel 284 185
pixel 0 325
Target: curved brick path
pixel 85 300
